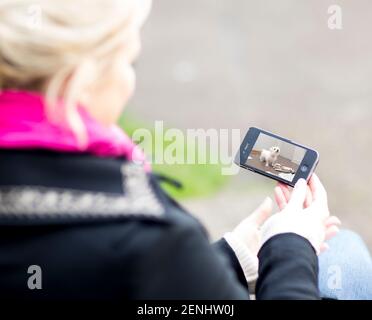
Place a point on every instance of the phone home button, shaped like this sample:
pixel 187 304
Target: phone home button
pixel 304 168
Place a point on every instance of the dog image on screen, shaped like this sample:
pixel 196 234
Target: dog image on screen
pixel 269 157
pixel 273 156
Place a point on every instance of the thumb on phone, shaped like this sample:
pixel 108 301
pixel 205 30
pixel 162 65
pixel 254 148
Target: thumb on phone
pixel 299 195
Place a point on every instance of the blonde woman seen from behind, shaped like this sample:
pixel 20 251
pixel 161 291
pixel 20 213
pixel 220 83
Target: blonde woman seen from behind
pixel 70 180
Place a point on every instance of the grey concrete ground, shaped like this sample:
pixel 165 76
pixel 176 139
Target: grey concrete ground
pixel 276 65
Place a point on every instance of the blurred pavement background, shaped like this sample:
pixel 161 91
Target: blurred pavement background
pixel 272 64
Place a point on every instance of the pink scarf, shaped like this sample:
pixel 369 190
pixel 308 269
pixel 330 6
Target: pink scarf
pixel 24 125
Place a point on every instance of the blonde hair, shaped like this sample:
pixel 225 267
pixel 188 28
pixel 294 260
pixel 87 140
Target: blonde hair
pixel 58 47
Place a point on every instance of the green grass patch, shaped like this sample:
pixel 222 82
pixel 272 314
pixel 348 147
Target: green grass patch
pixel 197 179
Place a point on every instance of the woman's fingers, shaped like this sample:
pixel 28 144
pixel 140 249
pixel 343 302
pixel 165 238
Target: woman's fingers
pixel 331 232
pixel 263 212
pixel 332 220
pixel 309 198
pixel 317 189
pixel 298 195
pixel 324 247
pixel 285 190
pixel 280 198
pixel 287 194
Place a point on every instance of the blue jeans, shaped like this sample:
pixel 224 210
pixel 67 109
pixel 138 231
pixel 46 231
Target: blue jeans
pixel 345 270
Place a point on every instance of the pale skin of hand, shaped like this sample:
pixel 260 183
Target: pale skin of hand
pixel 315 190
pixel 248 230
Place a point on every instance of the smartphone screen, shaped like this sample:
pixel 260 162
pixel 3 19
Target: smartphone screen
pixel 276 157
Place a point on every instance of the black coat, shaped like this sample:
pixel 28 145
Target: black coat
pixel 100 228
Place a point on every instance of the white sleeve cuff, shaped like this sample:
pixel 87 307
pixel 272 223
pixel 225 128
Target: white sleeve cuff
pixel 291 225
pixel 247 260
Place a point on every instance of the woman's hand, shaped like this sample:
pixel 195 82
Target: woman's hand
pixel 304 211
pixel 248 231
pixel 245 239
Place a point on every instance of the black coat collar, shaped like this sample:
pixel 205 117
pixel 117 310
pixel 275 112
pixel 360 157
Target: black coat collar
pixel 47 186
